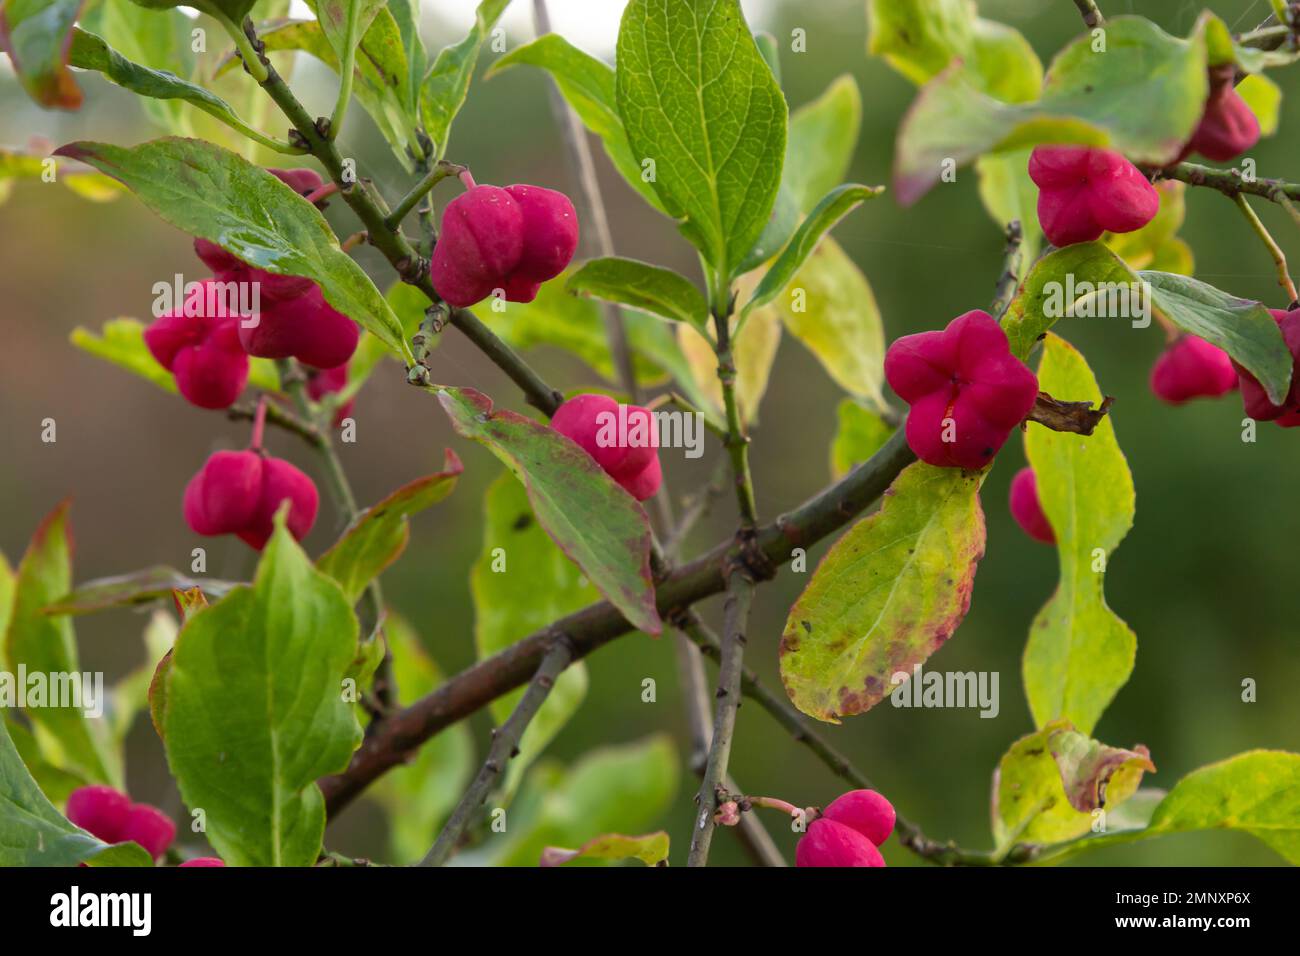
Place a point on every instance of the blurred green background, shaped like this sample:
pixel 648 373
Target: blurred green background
pixel 1204 577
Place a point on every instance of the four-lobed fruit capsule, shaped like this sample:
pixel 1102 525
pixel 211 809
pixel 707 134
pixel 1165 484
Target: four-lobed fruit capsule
pixel 1084 191
pixel 510 238
pixel 629 455
pixel 239 492
pixel 1228 127
pixel 1192 368
pixel 109 814
pixel 848 832
pixel 965 388
pixel 199 345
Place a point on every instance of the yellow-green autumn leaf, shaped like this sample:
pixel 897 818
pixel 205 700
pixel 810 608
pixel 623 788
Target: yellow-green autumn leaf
pixel 830 308
pixel 1048 785
pixel 651 849
pixel 1079 652
pixel 887 595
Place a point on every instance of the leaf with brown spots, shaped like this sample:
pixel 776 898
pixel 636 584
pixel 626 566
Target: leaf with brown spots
pixel 887 594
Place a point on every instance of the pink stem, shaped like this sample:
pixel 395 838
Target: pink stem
pixel 323 192
pixel 467 178
pixel 259 424
pixel 775 803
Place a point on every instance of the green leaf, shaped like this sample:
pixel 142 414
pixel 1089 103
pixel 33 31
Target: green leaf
pixel 345 22
pixel 8 585
pixel 158 39
pixel 406 14
pixel 1264 97
pixel 828 306
pixel 1060 281
pixel 833 207
pixel 1079 652
pixel 823 134
pixel 651 849
pixel 127 590
pixel 602 528
pixel 518 558
pixel 35 35
pixel 1087 280
pixel 576 325
pixel 442 93
pixel 643 287
pixel 90 52
pixel 121 341
pixel 920 38
pixel 587 84
pixel 213 193
pixel 1242 328
pixel 1050 783
pixel 130 696
pixel 887 595
pixel 696 97
pixel 1143 96
pixel 622 789
pixel 33 833
pixel 379 534
pixel 55 782
pixel 46 645
pixel 419 795
pixel 1257 792
pixel 860 432
pixel 281 649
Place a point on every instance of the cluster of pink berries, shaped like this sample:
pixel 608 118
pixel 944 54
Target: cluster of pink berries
pixel 206 342
pixel 848 832
pixel 965 390
pixel 110 816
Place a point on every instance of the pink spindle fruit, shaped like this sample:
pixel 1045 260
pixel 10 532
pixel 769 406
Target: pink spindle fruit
pixel 203 861
pixel 967 391
pixel 1228 126
pixel 1253 396
pixel 199 345
pixel 149 827
pixel 99 810
pixel 239 492
pixel 622 441
pixel 1026 508
pixel 513 239
pixel 1192 368
pixel 848 832
pixel 1084 191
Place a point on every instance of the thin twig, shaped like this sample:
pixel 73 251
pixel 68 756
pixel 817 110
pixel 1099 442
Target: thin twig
pixel 1092 17
pixel 281 419
pixel 440 171
pixel 737 441
pixel 590 628
pixel 1005 289
pixel 740 596
pixel 505 745
pixel 1274 250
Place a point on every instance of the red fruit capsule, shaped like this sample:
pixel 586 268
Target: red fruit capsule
pixel 239 492
pixel 1228 126
pixel 511 239
pixel 328 382
pixel 865 811
pixel 1253 395
pixel 1192 368
pixel 203 861
pixel 1084 191
pixel 305 327
pixel 99 810
pixel 966 390
pixel 829 843
pixel 281 482
pixel 621 439
pixel 1026 508
pixel 199 345
pixel 149 827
